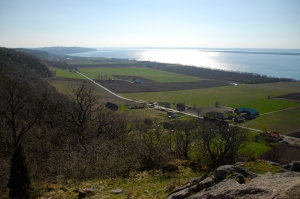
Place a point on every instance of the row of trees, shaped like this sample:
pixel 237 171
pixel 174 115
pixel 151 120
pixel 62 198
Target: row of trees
pixel 76 137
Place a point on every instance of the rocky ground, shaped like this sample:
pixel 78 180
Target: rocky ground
pixel 229 182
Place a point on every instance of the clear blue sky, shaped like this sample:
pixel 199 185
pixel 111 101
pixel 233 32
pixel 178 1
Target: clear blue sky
pixel 150 23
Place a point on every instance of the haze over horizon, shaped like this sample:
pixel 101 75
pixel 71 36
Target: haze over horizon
pixel 133 23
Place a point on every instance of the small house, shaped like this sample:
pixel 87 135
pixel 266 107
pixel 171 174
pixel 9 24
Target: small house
pixel 111 106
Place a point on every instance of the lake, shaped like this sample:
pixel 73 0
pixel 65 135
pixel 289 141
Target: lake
pixel 282 63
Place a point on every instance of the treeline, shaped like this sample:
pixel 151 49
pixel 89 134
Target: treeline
pixel 45 134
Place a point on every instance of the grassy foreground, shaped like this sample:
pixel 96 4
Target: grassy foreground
pixel 146 184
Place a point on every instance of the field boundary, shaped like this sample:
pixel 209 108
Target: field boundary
pixel 280 110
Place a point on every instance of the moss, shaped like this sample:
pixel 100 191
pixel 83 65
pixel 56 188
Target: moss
pixel 261 167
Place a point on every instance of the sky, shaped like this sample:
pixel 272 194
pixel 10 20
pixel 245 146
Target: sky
pixel 150 23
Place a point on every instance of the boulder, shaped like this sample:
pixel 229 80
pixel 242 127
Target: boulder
pixel 185 191
pixel 233 184
pixel 223 171
pixel 116 191
pixel 245 172
pixel 207 182
pixel 273 163
pixel 281 185
pixel 295 166
pixel 286 166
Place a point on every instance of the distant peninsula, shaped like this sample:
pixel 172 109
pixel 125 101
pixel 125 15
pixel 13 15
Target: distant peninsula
pixel 60 50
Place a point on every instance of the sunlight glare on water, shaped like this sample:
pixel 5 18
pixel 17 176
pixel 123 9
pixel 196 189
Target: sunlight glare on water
pixel 181 56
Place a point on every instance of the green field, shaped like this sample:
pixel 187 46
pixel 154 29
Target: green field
pixel 267 105
pixel 152 74
pixel 67 74
pixel 284 122
pixel 232 96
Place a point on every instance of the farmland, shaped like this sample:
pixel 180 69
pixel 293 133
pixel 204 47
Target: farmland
pixel 67 74
pixel 159 86
pixel 249 95
pixel 268 105
pixel 152 74
pixel 232 96
pixel 284 122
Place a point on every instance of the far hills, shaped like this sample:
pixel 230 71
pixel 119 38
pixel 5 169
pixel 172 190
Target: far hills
pixel 60 50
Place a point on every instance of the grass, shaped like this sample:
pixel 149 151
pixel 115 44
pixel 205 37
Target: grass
pixel 261 167
pixel 64 73
pixel 152 74
pixel 146 184
pixel 255 148
pixel 268 105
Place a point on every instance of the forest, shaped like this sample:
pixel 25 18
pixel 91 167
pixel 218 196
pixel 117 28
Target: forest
pixel 45 133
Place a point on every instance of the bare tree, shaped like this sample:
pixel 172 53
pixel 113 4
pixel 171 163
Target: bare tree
pixel 217 104
pixel 198 111
pixel 80 112
pixel 20 110
pixel 219 144
pixel 184 137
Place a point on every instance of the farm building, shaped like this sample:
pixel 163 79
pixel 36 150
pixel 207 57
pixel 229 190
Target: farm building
pixel 111 106
pixel 249 117
pixel 248 111
pixel 239 119
pixel 273 137
pixel 180 107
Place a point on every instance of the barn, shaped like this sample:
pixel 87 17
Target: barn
pixel 248 111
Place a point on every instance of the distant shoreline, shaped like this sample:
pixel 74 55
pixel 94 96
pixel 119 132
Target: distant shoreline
pixel 279 63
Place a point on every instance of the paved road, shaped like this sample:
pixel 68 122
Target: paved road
pixel 288 139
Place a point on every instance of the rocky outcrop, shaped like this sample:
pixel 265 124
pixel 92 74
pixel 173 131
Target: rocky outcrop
pixel 229 181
